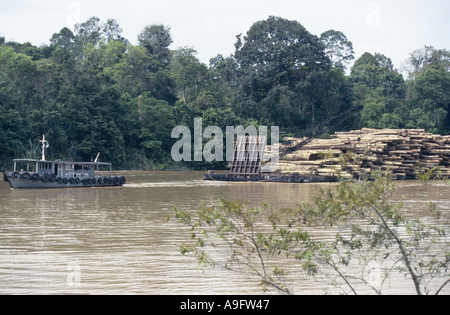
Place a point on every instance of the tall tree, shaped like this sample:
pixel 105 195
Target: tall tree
pixel 62 45
pixel 369 69
pixel 280 65
pixel 156 39
pixel 432 89
pixel 190 74
pixel 88 32
pixel 423 58
pixel 380 89
pixel 111 31
pixel 338 48
pixel 157 122
pixel 64 39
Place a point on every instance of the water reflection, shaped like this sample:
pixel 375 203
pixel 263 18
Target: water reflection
pixel 116 241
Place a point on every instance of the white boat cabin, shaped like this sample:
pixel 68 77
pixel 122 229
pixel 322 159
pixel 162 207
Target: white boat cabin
pixel 61 168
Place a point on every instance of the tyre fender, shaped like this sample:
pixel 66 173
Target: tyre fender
pixel 35 177
pixel 45 177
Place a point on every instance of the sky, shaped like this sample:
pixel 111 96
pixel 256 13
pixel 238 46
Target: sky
pixel 394 28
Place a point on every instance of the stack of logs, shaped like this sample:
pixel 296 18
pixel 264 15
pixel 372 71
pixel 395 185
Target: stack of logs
pixel 405 152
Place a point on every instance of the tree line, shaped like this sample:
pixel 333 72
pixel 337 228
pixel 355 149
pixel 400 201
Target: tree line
pixel 90 90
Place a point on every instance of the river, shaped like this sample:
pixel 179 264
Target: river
pixel 116 240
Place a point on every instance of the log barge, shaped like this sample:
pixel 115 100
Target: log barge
pixel 406 153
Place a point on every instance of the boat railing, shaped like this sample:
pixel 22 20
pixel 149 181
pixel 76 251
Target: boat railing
pixel 64 168
pixel 75 175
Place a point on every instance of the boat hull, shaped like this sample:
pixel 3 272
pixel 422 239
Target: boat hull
pixel 270 178
pixel 27 183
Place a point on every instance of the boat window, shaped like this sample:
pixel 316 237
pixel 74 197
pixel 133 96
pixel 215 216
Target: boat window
pixel 78 167
pixel 44 166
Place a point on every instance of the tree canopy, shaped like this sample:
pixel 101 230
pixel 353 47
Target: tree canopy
pixel 91 90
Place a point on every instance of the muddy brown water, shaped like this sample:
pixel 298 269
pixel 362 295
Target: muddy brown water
pixel 116 240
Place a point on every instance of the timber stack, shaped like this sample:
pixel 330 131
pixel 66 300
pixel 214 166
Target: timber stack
pixel 405 152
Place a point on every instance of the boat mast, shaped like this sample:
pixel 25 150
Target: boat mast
pixel 44 145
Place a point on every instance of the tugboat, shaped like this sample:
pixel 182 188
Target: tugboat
pixel 59 174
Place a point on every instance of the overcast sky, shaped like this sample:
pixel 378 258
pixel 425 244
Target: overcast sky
pixel 394 28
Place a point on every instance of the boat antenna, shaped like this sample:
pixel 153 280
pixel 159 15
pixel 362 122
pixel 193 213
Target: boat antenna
pixel 44 146
pixel 97 157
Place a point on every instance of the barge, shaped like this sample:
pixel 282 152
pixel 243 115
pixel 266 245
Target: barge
pixel 406 154
pixel 270 178
pixel 247 166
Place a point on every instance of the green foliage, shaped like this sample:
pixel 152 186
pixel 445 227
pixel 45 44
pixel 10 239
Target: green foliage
pixel 234 228
pixel 338 48
pixel 375 113
pixel 424 58
pixel 156 39
pixel 11 135
pixel 157 121
pixel 370 233
pixel 377 226
pixel 281 77
pixel 191 76
pixel 83 90
pixel 424 175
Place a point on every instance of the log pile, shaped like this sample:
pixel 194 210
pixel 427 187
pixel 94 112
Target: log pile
pixel 405 152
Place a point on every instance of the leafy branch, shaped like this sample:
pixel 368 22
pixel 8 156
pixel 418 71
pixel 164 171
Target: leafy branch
pixel 373 237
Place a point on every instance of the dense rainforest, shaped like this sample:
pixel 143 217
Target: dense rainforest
pixel 92 91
